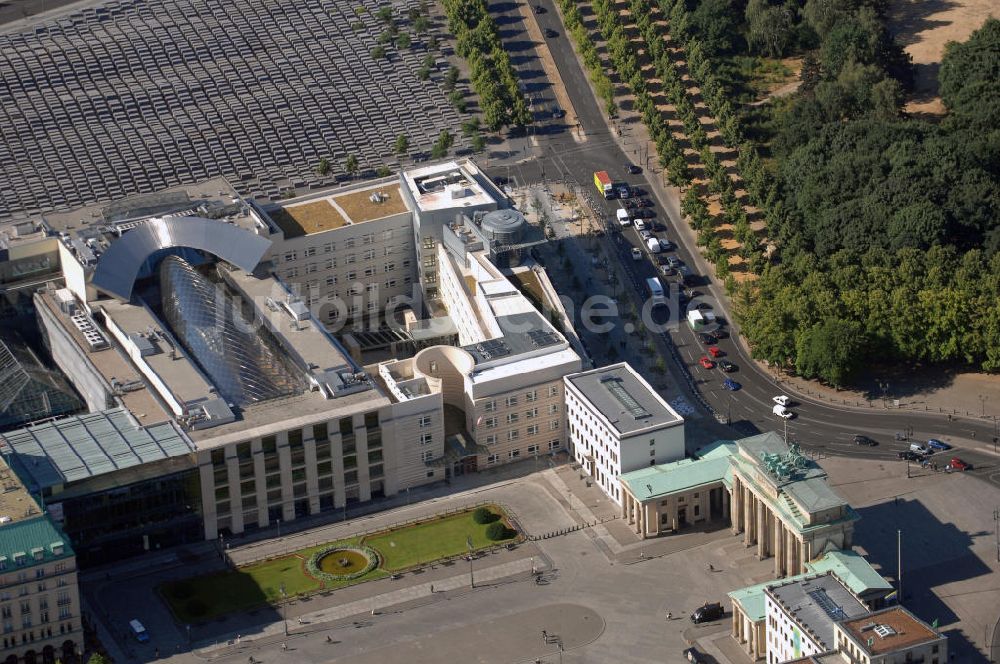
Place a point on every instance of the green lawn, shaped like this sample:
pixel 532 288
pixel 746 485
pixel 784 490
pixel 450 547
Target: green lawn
pixel 206 597
pixel 429 541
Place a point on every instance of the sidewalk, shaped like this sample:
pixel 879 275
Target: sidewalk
pixel 412 596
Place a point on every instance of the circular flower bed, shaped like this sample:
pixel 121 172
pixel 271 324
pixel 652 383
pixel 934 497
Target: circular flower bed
pixel 326 564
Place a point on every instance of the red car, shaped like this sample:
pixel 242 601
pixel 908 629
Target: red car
pixel 707 363
pixel 715 351
pixel 958 464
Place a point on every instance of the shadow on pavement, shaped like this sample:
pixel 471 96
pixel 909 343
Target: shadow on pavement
pixel 934 554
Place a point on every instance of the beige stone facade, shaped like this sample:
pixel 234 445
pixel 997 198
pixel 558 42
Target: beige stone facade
pixel 40 612
pixel 324 465
pixel 669 514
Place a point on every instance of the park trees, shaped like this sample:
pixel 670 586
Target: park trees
pixel 492 75
pixel 970 78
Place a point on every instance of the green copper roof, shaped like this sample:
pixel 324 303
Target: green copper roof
pixel 667 478
pixel 32 541
pixel 852 569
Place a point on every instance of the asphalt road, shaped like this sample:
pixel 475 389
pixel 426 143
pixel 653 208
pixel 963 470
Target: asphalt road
pixel 554 152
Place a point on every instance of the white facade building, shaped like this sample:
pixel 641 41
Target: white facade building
pixel 618 423
pixel 801 615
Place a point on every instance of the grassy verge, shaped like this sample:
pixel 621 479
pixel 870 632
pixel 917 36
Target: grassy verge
pixel 209 596
pixel 426 542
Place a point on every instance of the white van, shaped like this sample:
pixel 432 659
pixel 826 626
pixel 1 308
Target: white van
pixel 782 412
pixel 654 245
pixel 138 631
pixel 920 449
pixel 640 225
pixel 623 219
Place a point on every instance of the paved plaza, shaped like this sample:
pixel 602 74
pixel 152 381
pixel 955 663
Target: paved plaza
pixel 603 595
pixel 129 96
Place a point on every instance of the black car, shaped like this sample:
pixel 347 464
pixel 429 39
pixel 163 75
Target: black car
pixel 549 32
pixel 864 440
pixel 539 9
pixel 727 366
pixel 720 333
pixel 692 655
pixel 707 613
pixel 633 169
pixel 910 455
pixel 706 339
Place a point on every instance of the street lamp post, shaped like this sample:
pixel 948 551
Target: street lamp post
pixel 983 398
pixel 284 611
pixel 884 386
pixel 996 530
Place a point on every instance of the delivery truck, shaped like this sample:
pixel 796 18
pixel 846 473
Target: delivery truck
pixel 604 184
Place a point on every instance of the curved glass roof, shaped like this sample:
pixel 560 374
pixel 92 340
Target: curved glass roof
pixel 118 267
pixel 237 359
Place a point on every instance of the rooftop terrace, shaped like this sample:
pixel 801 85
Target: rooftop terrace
pixel 316 214
pixel 889 630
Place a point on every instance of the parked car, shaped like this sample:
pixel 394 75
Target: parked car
pixel 706 339
pixel 675 262
pixel 644 234
pixel 666 270
pixel 864 440
pixel 707 613
pixel 636 254
pixel 727 366
pixel 920 449
pixel 936 444
pixel 692 655
pixel 665 245
pixel 782 412
pixel 958 464
pixel 910 455
pixel 645 202
pixel 715 351
pixel 632 169
pixel 138 631
pixel 705 362
pixel 731 384
pixel 550 33
pixel 781 400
